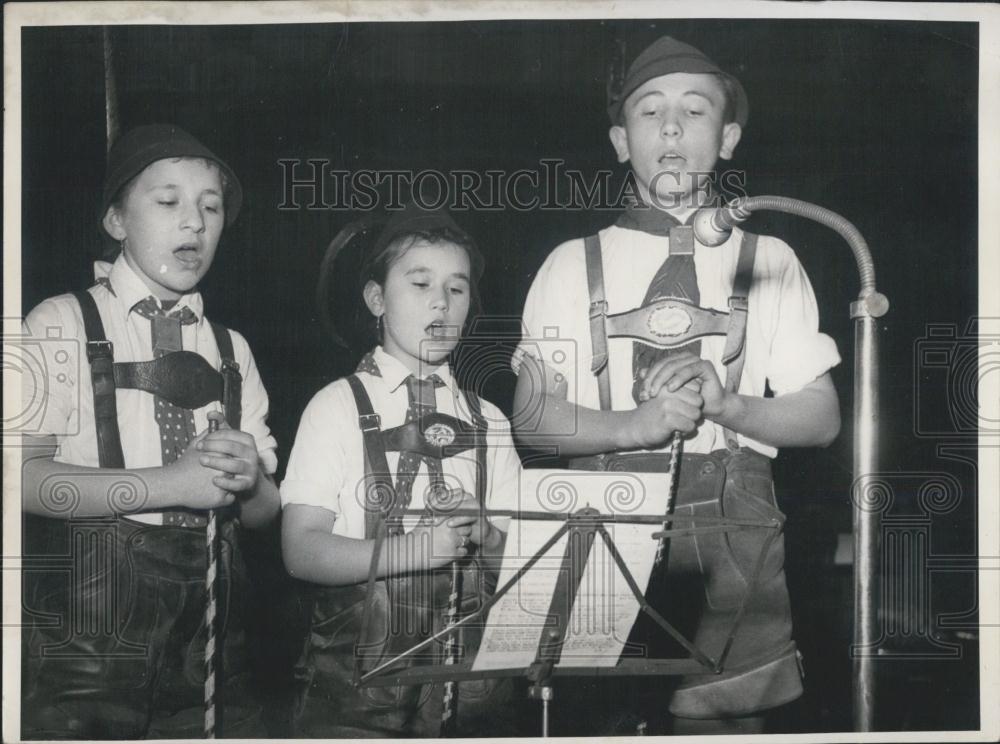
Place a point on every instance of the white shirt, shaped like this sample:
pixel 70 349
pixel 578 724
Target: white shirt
pixel 326 466
pixel 61 396
pixel 784 347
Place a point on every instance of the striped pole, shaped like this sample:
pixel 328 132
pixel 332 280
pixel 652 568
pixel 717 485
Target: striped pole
pixel 211 606
pixel 676 444
pixel 449 709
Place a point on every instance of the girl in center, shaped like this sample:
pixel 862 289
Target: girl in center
pixel 430 447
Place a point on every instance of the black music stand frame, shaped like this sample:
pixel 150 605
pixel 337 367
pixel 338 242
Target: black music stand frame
pixel 583 527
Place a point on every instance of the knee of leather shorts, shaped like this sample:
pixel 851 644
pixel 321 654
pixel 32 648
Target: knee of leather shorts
pixel 722 484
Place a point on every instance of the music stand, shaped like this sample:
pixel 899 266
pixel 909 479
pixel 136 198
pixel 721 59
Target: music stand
pixel 582 528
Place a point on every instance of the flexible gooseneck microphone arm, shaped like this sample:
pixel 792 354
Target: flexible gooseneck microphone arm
pixel 712 227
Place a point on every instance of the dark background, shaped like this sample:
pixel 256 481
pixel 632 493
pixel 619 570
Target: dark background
pixel 873 120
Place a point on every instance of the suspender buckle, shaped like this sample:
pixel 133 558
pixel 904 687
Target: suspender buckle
pixel 370 422
pixel 230 366
pixel 100 350
pixel 738 303
pixel 598 309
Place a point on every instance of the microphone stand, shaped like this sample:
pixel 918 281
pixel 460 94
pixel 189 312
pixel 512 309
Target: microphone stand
pixel 713 227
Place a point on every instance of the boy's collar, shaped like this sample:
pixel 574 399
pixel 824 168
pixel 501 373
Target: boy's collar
pixel 650 219
pixel 394 372
pixel 130 289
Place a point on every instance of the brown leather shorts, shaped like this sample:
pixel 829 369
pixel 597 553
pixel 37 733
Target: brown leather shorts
pixel 708 578
pixel 114 636
pixel 406 610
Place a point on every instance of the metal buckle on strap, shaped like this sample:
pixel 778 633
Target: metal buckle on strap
pixel 100 349
pixel 738 303
pixel 598 309
pixel 230 365
pixel 370 422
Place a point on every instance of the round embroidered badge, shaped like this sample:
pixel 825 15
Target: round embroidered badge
pixel 439 434
pixel 669 320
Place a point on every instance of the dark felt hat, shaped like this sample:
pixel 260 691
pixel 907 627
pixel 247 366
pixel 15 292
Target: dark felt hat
pixel 413 219
pixel 144 145
pixel 663 57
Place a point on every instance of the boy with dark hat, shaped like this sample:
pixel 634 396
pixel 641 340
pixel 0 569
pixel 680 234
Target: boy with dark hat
pixel 124 470
pixel 617 405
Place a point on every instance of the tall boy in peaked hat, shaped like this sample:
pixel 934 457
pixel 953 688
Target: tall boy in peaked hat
pixel 617 403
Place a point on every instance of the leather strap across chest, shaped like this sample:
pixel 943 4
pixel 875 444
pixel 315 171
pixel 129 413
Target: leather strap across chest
pixel 436 436
pixel 656 323
pixel 184 378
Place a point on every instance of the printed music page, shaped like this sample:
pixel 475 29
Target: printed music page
pixel 604 608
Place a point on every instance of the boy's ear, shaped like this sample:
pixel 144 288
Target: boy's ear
pixel 619 139
pixel 372 294
pixel 113 224
pixel 731 134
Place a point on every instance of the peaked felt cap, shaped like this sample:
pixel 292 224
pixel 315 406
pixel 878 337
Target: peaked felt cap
pixel 664 56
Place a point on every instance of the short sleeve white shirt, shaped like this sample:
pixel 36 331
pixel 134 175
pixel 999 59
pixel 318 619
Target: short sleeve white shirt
pixel 58 396
pixel 784 347
pixel 326 466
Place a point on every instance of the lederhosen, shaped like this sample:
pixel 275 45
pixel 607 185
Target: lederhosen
pixel 707 574
pixel 116 638
pixel 406 610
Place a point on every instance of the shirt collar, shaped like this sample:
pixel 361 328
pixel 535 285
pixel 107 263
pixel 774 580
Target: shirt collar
pixel 394 372
pixel 130 289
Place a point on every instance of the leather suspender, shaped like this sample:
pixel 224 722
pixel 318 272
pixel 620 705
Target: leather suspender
pixel 479 438
pixel 100 354
pixel 598 315
pixel 379 492
pixel 733 354
pixel 104 372
pixel 380 495
pixel 232 380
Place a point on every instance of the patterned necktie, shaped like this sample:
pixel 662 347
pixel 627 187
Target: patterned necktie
pixel 675 278
pixel 422 401
pixel 176 423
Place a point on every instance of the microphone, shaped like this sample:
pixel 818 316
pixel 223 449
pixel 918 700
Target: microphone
pixel 713 226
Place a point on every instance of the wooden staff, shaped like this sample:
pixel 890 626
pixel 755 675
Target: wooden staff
pixel 211 607
pixel 676 444
pixel 449 709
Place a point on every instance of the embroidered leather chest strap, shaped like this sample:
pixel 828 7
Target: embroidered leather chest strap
pixel 100 354
pixel 598 316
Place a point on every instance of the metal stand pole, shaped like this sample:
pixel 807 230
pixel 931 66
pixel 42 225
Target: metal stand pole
pixel 713 227
pixel 546 699
pixel 111 123
pixel 866 519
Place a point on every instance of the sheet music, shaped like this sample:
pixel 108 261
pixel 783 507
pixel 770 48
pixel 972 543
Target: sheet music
pixel 604 609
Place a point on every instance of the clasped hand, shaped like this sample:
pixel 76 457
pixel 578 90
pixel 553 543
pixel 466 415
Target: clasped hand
pixel 451 535
pixel 214 466
pixel 675 393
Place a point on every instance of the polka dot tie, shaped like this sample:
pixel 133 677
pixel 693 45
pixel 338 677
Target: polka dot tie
pixel 176 423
